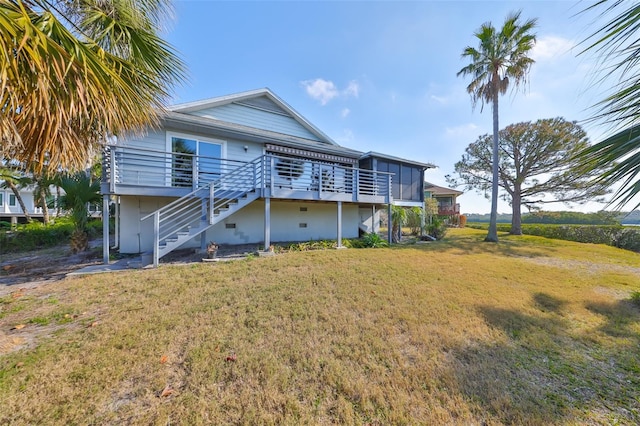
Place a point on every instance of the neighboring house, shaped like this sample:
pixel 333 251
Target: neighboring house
pixel 246 169
pixel 10 210
pixel 446 197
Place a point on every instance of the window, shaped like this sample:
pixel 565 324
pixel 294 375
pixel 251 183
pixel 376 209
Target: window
pixel 395 180
pixel 1 199
pixel 207 156
pixel 12 200
pixel 406 180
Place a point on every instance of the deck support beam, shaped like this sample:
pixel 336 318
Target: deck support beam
pixel 116 230
pixel 267 223
pixel 105 229
pixel 373 219
pixel 389 224
pixel 339 225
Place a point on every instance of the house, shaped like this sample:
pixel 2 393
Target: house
pixel 10 208
pixel 246 169
pixel 446 197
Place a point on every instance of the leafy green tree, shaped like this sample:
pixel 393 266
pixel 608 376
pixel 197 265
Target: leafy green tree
pixel 536 166
pixel 98 68
pixel 500 60
pixel 616 44
pixel 80 190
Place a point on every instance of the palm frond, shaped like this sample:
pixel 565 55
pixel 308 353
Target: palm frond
pixel 620 155
pixel 63 94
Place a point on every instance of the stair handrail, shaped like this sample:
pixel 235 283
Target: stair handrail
pixel 197 209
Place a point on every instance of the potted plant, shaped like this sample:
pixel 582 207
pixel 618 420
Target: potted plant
pixel 212 249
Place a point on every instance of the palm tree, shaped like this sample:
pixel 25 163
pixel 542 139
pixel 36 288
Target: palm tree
pixel 98 67
pixel 43 181
pixel 398 217
pixel 501 59
pixel 616 44
pixel 80 190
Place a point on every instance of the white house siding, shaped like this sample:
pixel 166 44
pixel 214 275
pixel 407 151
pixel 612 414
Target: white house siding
pixel 137 236
pixel 153 139
pixel 259 119
pixel 236 151
pixel 27 198
pixel 286 217
pixel 139 173
pixel 366 223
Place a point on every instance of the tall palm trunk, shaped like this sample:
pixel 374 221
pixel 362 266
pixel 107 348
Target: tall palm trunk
pixel 42 197
pixel 492 235
pixel 58 194
pixel 16 192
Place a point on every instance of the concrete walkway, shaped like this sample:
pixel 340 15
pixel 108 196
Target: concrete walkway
pixel 119 265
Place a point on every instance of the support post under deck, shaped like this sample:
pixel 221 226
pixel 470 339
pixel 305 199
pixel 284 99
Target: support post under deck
pixel 389 224
pixel 105 229
pixel 339 221
pixel 267 223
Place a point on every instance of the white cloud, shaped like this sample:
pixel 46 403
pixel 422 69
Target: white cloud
pixel 551 47
pixel 353 89
pixel 326 90
pixel 345 112
pixel 321 90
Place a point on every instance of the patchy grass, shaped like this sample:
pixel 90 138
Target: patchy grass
pixel 528 331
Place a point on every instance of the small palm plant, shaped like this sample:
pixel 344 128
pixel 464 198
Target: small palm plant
pixel 374 240
pixel 398 217
pixel 80 190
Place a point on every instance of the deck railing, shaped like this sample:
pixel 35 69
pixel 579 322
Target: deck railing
pixel 277 176
pixel 449 209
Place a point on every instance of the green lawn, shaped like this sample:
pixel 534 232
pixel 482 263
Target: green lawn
pixel 528 331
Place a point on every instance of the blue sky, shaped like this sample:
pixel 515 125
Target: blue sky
pixel 381 76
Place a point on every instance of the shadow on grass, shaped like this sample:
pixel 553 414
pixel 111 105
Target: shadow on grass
pixel 547 302
pixel 619 317
pixel 547 372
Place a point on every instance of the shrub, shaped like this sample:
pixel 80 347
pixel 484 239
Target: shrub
pixel 613 235
pixel 437 229
pixel 373 240
pixel 414 220
pixel 35 235
pixel 628 239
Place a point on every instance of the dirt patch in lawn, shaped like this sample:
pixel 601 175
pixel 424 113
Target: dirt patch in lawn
pixel 35 268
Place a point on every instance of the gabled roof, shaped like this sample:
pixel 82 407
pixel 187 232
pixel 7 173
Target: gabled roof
pixel 262 98
pixel 398 159
pixel 440 190
pixel 187 122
